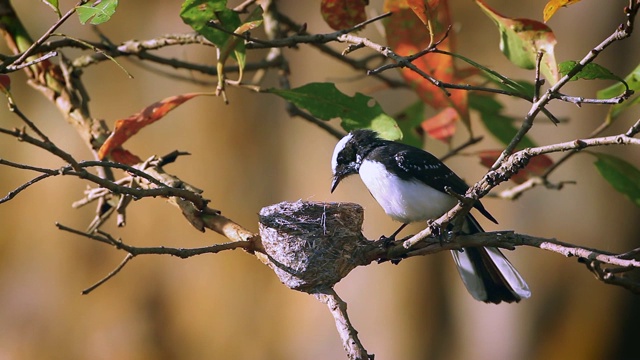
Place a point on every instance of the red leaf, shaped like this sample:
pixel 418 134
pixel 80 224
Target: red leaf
pixel 124 156
pixel 5 82
pixel 127 127
pixel 536 166
pixel 407 35
pixel 343 14
pixel 441 126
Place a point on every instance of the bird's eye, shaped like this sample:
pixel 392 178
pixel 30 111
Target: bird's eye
pixel 346 156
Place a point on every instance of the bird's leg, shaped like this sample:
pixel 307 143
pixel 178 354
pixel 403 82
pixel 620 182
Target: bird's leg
pixel 436 231
pixel 443 235
pixel 389 239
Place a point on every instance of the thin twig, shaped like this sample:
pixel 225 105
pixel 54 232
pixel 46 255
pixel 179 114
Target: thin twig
pixel 47 33
pixel 113 273
pixel 634 129
pixel 44 144
pixel 295 111
pixel 456 150
pixel 22 187
pixel 133 251
pixel 538 81
pixel 32 62
pixel 253 43
pixel 580 100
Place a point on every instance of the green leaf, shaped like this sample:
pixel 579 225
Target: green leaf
pixel 408 120
pixel 633 81
pixel 99 12
pixel 522 39
pixel 237 44
pixel 521 86
pixel 500 126
pixel 53 4
pixel 623 176
pixel 326 102
pixel 198 13
pixel 591 71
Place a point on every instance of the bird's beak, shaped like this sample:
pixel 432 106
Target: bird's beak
pixel 340 173
pixel 335 182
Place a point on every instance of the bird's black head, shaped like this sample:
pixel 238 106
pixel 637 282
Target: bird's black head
pixel 349 152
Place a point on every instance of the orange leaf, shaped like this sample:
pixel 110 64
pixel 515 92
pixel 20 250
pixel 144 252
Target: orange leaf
pixel 343 14
pixel 553 6
pixel 407 35
pixel 415 5
pixel 536 166
pixel 127 127
pixel 441 126
pixel 421 9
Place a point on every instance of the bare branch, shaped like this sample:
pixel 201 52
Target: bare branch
pixel 109 276
pixel 22 187
pixel 406 61
pixel 538 81
pixel 62 86
pixel 32 62
pixel 160 250
pixel 134 251
pixel 510 240
pixel 634 130
pixel 509 167
pixel 358 64
pixel 44 143
pixel 348 333
pixel 515 191
pixel 614 276
pixel 580 100
pixel 622 32
pixel 253 43
pixel 456 150
pixel 47 33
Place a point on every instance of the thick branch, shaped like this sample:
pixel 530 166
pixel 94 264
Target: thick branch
pixel 305 247
pixel 510 240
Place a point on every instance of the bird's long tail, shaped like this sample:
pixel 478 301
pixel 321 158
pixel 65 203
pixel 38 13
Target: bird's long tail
pixel 487 273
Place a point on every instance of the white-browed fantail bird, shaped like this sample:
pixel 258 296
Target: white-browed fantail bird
pixel 409 183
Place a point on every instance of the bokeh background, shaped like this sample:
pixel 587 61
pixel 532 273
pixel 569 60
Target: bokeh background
pixel 250 154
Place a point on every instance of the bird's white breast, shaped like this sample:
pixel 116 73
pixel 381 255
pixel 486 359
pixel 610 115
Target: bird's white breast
pixel 403 200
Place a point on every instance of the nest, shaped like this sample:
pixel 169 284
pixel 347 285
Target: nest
pixel 312 245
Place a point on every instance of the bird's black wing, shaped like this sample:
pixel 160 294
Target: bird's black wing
pixel 418 164
pixel 421 165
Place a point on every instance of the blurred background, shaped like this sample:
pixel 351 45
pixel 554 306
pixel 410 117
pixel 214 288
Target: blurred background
pixel 250 154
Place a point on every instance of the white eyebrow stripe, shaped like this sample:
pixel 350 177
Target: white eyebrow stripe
pixel 339 147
